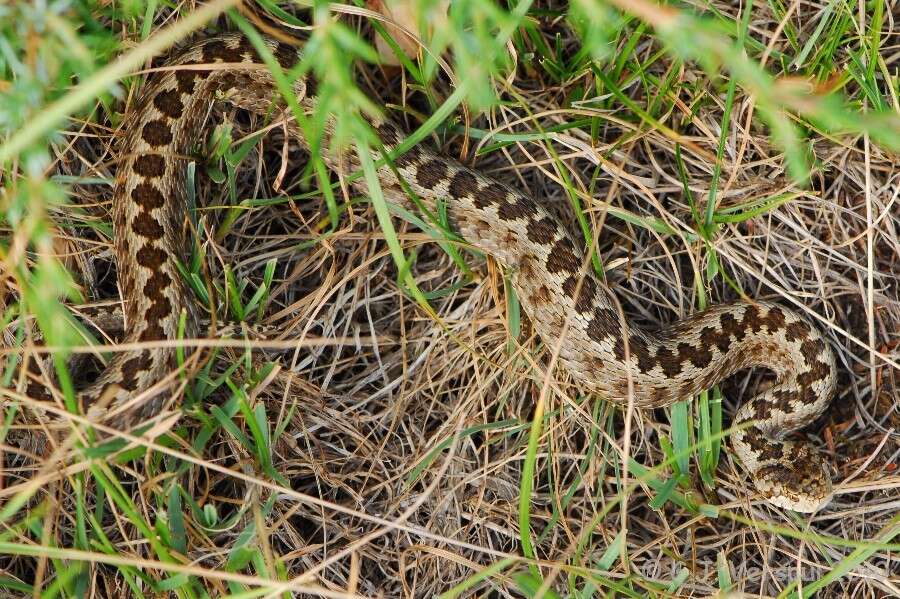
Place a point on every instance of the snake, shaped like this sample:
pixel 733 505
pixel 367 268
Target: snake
pixel 568 303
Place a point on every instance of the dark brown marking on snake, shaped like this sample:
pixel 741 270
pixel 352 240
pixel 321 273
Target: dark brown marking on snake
pixel 213 49
pixel 150 166
pixel 219 50
pixel 430 174
pixel 668 361
pixel 245 46
pixel 154 288
pixel 150 256
pixel 710 336
pixel 37 391
pixel 604 325
pixel 155 285
pixel 774 320
pixel 157 133
pixel 146 226
pixel 132 367
pixel 796 331
pixel 482 202
pixel 585 300
pixel 153 332
pixel 766 450
pixel 820 370
pixel 781 399
pixel 391 136
pixel 187 79
pixel 389 133
pixel 228 81
pixel 542 231
pixel 638 348
pixel 464 184
pixel 34 389
pixel 762 410
pixel 408 158
pixel 811 348
pixel 285 54
pixel 517 208
pixel 169 103
pixel 751 319
pixel 698 356
pixel 312 85
pixel 160 306
pixel 753 436
pixel 159 309
pixel 754 321
pixel 731 327
pixel 586 296
pixel 562 257
pixel 493 194
pixel 146 195
pixel 817 371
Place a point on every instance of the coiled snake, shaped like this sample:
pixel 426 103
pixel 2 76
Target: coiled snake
pixel 567 304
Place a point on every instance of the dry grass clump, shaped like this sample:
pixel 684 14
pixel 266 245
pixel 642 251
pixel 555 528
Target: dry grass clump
pixel 347 443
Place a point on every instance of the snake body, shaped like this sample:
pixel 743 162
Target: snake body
pixel 566 302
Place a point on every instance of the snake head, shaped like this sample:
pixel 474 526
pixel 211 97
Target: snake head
pixel 798 481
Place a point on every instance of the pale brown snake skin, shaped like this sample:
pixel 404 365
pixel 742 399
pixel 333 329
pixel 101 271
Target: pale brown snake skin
pixel 545 266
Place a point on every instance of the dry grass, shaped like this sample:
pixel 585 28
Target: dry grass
pixel 404 438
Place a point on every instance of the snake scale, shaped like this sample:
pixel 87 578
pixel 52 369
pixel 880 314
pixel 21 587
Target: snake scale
pixel 566 302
